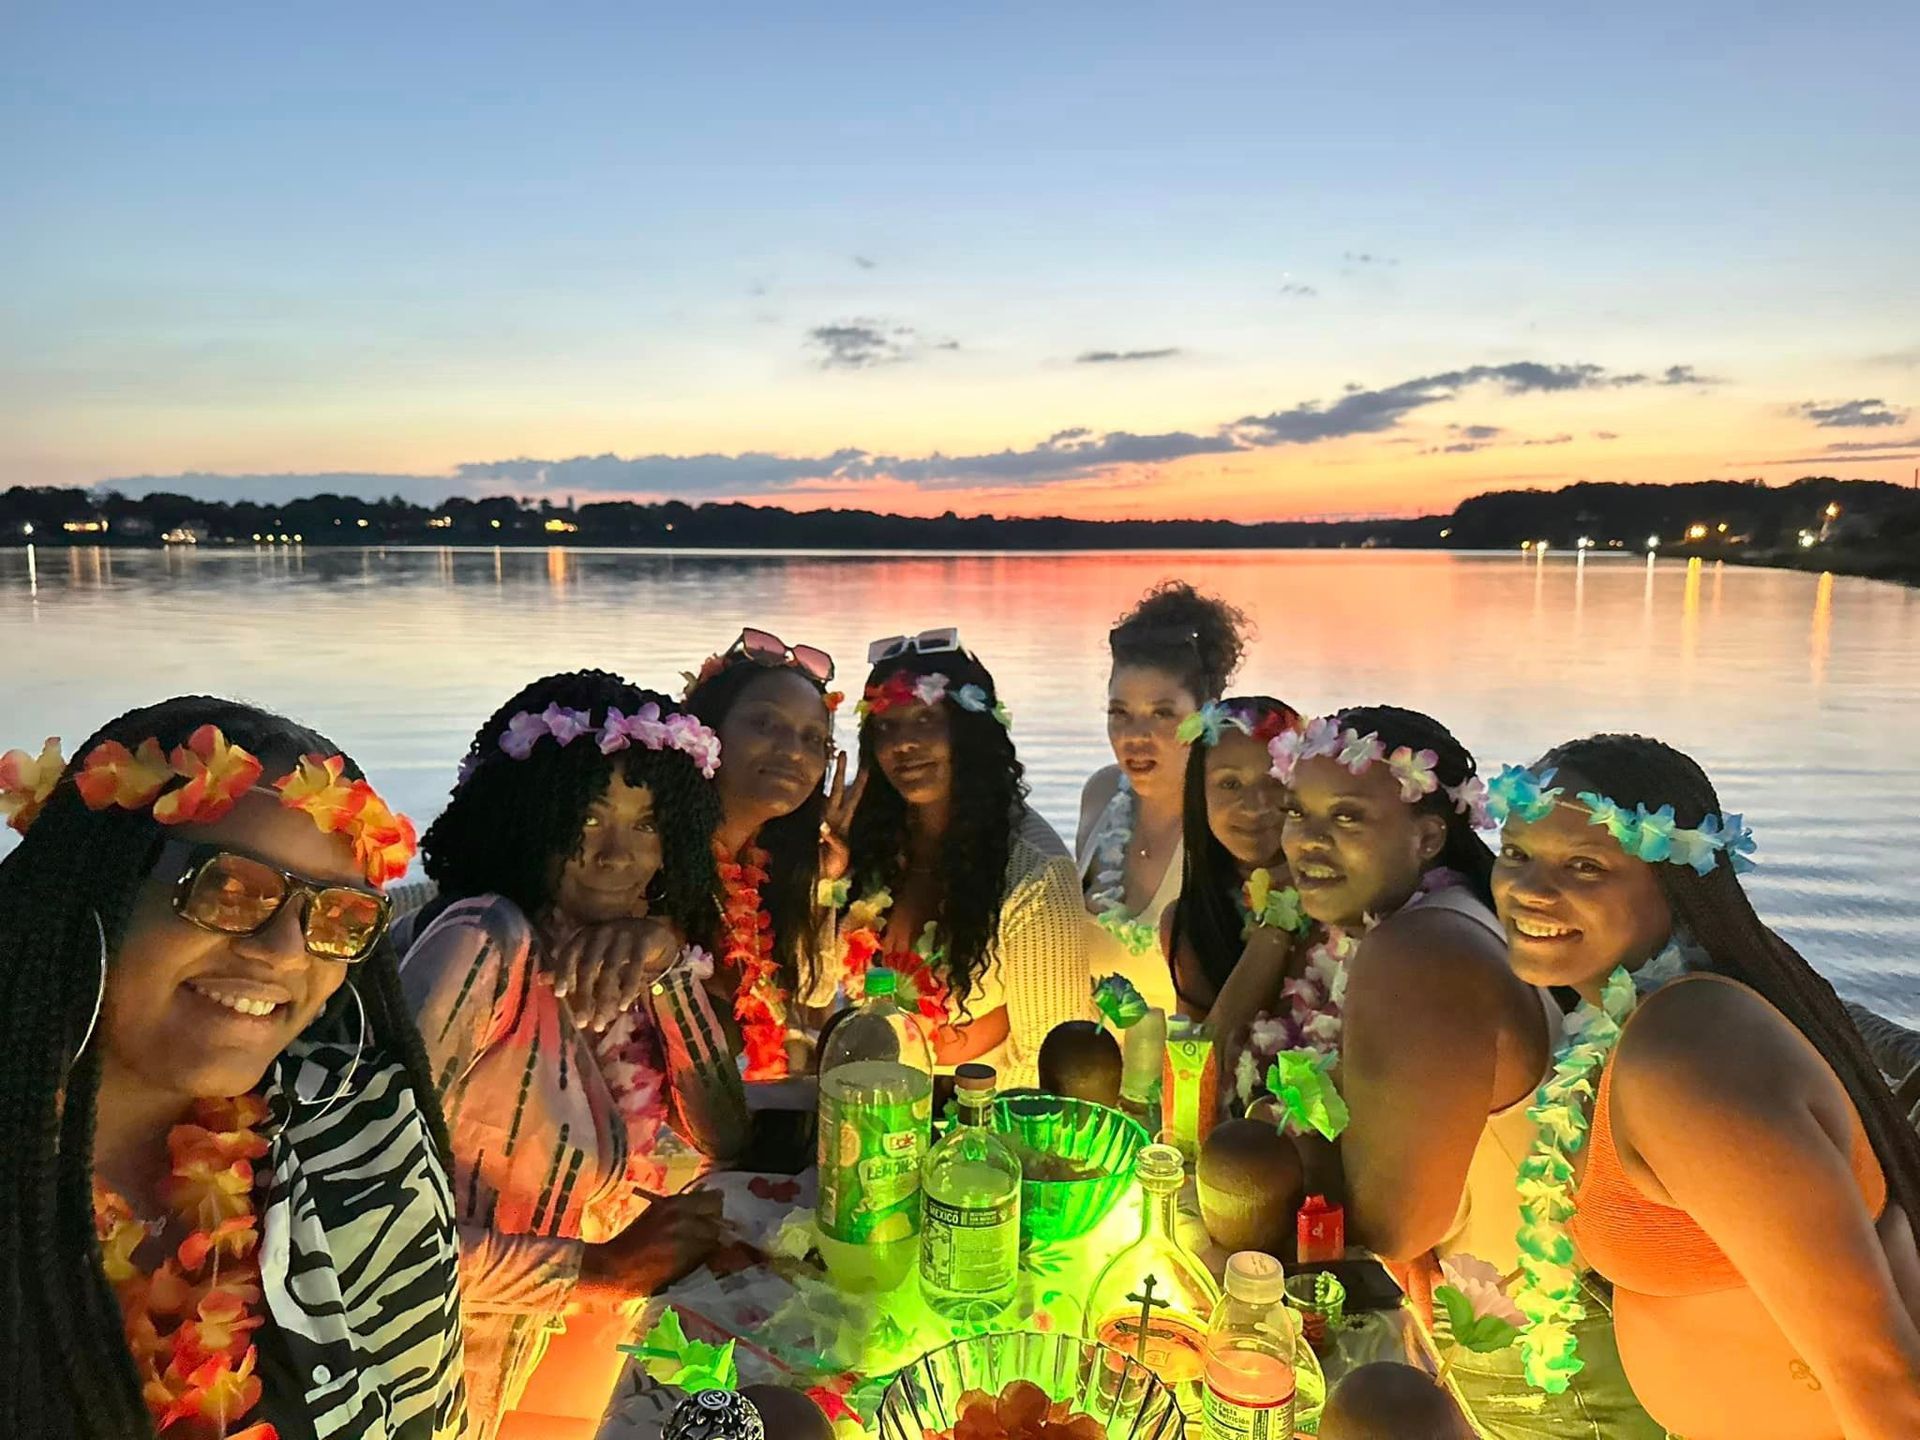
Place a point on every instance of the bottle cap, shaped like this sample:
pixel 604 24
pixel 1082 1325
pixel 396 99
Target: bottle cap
pixel 1256 1277
pixel 974 1076
pixel 1161 1166
pixel 881 981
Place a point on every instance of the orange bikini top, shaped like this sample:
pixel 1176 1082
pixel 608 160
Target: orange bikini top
pixel 1655 1249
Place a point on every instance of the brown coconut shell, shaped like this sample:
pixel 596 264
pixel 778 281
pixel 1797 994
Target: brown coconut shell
pixel 1079 1059
pixel 1251 1184
pixel 788 1414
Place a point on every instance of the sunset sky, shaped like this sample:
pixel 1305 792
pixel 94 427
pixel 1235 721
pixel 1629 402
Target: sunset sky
pixel 1243 260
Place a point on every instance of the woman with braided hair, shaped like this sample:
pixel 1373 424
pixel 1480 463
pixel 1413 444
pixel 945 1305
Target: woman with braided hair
pixel 575 864
pixel 1722 1147
pixel 1440 1047
pixel 226 1206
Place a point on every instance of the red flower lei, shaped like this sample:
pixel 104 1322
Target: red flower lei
pixel 190 1322
pixel 760 1002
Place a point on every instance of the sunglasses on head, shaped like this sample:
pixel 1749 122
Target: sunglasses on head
pixel 233 894
pixel 764 648
pixel 944 641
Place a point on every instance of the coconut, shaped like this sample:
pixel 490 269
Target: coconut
pixel 1081 1060
pixel 1250 1183
pixel 788 1414
pixel 1390 1401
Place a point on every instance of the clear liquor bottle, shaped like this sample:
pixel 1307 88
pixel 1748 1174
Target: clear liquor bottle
pixel 970 1184
pixel 1154 1299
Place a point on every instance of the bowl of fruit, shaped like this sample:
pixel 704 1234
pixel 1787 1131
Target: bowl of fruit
pixel 1028 1386
pixel 1076 1160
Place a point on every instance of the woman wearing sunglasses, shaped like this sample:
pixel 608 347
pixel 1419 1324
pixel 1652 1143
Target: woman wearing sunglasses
pixel 582 827
pixel 1172 653
pixel 226 1204
pixel 955 881
pixel 780 832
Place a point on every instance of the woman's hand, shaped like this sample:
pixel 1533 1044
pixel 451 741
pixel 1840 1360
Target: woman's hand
pixel 605 967
pixel 836 823
pixel 666 1244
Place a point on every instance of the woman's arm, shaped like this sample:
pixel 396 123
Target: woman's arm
pixel 1424 1010
pixel 1722 1108
pixel 1043 949
pixel 517 1273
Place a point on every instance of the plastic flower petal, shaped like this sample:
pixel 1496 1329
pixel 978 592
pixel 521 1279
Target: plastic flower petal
pixel 114 775
pixel 1115 997
pixel 27 780
pixel 695 741
pixel 1694 848
pixel 972 697
pixel 1301 1081
pixel 1516 790
pixel 316 787
pixel 384 841
pixel 1358 751
pixel 522 733
pixel 930 689
pixel 567 725
pixel 217 774
pixel 1470 799
pixel 1414 769
pixel 1735 840
pixel 1479 1282
pixel 1284 750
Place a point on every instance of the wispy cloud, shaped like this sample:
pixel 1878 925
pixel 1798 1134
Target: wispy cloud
pixel 1606 435
pixel 1368 257
pixel 1907 359
pixel 865 262
pixel 1121 357
pixel 1298 291
pixel 1842 447
pixel 1852 414
pixel 861 344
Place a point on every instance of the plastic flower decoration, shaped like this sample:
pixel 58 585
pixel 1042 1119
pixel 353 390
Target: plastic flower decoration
pixel 972 697
pixel 217 775
pixel 1358 751
pixel 1479 1313
pixel 1206 725
pixel 567 725
pixel 316 787
pixel 672 1358
pixel 1302 1081
pixel 27 780
pixel 1516 790
pixel 644 728
pixel 930 689
pixel 1730 836
pixel 384 841
pixel 115 775
pixel 696 741
pixel 1271 907
pixel 1414 769
pixel 890 694
pixel 522 733
pixel 1470 799
pixel 1115 997
pixel 1318 737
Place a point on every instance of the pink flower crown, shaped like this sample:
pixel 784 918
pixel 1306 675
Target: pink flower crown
pixel 900 689
pixel 1414 769
pixel 647 728
pixel 216 773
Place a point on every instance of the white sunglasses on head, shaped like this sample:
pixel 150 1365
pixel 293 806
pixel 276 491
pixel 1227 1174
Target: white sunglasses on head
pixel 944 641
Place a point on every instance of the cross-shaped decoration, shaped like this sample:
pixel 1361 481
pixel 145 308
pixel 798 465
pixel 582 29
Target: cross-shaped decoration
pixel 1148 1304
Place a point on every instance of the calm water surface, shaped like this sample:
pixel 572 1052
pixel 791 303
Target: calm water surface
pixel 1799 693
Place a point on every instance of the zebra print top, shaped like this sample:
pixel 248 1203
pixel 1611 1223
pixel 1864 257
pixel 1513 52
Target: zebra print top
pixel 359 1256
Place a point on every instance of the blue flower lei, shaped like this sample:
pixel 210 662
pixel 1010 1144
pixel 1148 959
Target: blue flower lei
pixel 1650 835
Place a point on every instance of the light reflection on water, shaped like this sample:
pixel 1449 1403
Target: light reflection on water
pixel 1796 691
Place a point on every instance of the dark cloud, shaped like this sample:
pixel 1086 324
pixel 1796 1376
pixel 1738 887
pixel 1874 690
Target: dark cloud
pixel 1366 412
pixel 1551 440
pixel 1852 414
pixel 864 262
pixel 1843 447
pixel 1839 460
pixel 1606 435
pixel 862 344
pixel 1478 432
pixel 1119 357
pixel 1686 375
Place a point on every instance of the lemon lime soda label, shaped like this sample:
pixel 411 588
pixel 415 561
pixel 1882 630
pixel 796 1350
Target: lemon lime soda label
pixel 875 1119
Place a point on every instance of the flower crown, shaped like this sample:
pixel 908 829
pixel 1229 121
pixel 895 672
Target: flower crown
pixel 647 727
pixel 216 773
pixel 900 689
pixel 1414 769
pixel 1650 835
pixel 1213 719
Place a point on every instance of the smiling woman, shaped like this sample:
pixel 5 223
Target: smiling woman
pixel 193 969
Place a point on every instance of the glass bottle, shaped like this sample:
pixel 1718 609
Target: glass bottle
pixel 970 1239
pixel 1153 1300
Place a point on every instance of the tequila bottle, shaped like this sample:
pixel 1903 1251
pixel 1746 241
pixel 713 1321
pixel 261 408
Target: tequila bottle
pixel 1154 1299
pixel 970 1241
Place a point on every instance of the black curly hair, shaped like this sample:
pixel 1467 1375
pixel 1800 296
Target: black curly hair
pixel 511 826
pixel 1715 910
pixel 1197 637
pixel 60 1325
pixel 1464 852
pixel 792 841
pixel 989 799
pixel 1207 913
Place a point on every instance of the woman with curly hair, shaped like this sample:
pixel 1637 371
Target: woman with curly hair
pixel 1172 653
pixel 1718 1142
pixel 780 835
pixel 1439 1047
pixel 225 1204
pixel 581 827
pixel 957 883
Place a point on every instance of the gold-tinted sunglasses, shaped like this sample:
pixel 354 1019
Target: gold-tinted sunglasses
pixel 234 894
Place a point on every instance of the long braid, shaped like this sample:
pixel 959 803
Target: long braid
pixel 60 1323
pixel 1464 851
pixel 1714 908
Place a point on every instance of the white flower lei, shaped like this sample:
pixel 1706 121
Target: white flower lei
pixel 1108 896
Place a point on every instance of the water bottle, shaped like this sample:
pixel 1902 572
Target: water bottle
pixel 1250 1348
pixel 876 1120
pixel 970 1253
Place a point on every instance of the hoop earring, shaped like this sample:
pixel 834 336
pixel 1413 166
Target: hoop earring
pixel 99 996
pixel 352 1065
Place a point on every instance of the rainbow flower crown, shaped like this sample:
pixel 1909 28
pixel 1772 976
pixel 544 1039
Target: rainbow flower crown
pixel 201 781
pixel 1414 769
pixel 1650 835
pixel 1212 720
pixel 647 727
pixel 900 689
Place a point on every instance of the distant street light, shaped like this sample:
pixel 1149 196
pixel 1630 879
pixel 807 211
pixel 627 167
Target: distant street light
pixel 1586 542
pixel 1696 532
pixel 1653 542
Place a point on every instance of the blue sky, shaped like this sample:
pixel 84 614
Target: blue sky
pixel 311 240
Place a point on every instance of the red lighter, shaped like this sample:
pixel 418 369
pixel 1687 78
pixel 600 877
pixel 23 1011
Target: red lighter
pixel 1322 1234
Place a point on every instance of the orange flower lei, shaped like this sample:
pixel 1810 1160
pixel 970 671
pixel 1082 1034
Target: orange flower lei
pixel 217 773
pixel 190 1322
pixel 760 1004
pixel 922 992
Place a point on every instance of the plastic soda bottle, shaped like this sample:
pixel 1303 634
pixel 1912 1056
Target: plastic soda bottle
pixel 970 1253
pixel 876 1121
pixel 1250 1379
